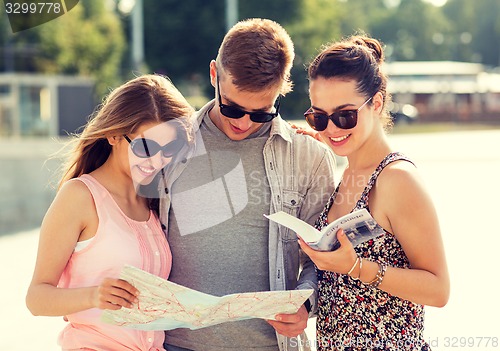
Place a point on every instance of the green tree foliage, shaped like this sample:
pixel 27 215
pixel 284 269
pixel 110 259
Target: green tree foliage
pixel 87 41
pixel 181 37
pixel 319 23
pixel 17 50
pixel 359 15
pixel 475 31
pixel 282 11
pixel 411 31
pixel 458 40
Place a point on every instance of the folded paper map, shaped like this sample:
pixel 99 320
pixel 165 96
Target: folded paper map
pixel 164 305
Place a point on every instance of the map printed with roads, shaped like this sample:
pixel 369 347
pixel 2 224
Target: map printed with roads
pixel 164 305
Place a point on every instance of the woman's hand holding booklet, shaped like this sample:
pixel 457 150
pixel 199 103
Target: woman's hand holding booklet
pixel 359 226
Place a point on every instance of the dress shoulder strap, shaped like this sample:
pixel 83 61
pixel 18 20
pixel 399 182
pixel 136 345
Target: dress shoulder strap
pixel 392 157
pixel 102 198
pixel 98 191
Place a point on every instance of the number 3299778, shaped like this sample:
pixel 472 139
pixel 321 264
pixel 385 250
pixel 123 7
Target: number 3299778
pixel 474 342
pixel 33 7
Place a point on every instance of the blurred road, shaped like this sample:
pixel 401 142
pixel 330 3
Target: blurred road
pixel 462 171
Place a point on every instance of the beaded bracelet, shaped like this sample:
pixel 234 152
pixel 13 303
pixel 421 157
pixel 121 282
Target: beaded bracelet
pixel 379 277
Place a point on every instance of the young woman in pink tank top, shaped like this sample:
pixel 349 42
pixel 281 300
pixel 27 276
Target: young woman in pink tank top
pixel 103 216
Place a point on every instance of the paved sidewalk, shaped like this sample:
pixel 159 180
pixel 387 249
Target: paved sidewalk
pixel 462 171
pixel 19 330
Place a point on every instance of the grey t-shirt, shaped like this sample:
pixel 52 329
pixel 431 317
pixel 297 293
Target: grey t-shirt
pixel 219 236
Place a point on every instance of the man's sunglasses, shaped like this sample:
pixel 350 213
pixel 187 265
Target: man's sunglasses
pixel 235 112
pixel 145 148
pixel 344 119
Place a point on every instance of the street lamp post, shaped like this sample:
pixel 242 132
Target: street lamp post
pixel 137 36
pixel 231 13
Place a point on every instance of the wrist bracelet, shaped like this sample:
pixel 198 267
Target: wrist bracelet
pixel 379 277
pixel 360 267
pixel 353 266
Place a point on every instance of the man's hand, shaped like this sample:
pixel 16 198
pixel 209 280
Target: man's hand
pixel 291 325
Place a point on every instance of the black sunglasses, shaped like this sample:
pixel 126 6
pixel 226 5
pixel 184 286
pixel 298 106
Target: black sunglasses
pixel 344 119
pixel 145 148
pixel 235 112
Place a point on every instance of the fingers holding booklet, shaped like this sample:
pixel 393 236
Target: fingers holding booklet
pixel 359 226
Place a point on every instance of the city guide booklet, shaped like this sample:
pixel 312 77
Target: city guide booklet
pixel 359 226
pixel 164 305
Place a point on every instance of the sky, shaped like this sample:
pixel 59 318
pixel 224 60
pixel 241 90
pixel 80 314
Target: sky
pixel 392 3
pixel 437 2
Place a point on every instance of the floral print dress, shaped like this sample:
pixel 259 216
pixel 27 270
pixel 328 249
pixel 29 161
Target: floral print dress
pixel 353 316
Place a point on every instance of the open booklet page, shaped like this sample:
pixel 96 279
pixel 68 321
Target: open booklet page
pixel 164 305
pixel 359 226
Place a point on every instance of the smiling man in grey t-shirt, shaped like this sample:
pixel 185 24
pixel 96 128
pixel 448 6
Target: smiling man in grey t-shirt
pixel 247 162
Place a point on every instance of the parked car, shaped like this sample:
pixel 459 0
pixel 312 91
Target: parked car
pixel 403 113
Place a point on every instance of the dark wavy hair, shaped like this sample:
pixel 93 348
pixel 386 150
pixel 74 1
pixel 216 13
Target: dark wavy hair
pixel 359 58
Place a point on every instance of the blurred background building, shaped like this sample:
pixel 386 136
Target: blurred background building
pixel 444 91
pixel 43 105
pixel 442 57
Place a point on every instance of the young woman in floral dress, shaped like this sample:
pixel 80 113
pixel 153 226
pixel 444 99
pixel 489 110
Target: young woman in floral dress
pixel 371 297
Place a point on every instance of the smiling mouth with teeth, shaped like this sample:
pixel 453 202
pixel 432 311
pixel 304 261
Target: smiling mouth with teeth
pixel 340 138
pixel 147 170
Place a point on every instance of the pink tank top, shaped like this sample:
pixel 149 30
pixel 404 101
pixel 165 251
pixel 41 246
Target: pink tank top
pixel 119 240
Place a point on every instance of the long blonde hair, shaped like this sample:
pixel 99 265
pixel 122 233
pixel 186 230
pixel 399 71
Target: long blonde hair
pixel 148 98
